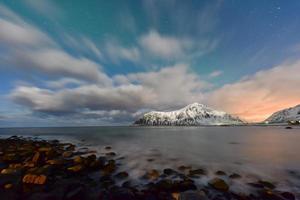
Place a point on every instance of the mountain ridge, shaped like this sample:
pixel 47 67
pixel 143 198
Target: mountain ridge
pixel 285 115
pixel 194 114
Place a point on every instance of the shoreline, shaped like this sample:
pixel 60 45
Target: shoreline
pixel 40 169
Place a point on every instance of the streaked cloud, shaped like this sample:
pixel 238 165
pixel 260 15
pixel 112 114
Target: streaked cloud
pixel 163 46
pixel 215 73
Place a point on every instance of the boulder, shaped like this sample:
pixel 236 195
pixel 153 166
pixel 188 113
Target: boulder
pixel 219 184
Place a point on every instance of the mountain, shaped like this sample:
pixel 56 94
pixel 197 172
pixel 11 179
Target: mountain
pixel 286 115
pixel 192 115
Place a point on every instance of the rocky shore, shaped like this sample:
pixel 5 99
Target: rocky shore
pixel 39 169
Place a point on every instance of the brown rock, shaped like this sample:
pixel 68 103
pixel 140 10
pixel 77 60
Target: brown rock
pixel 8 186
pixel 219 184
pixel 34 179
pixel 78 159
pixel 76 168
pixel 67 154
pixel 234 176
pixel 152 174
pixel 36 158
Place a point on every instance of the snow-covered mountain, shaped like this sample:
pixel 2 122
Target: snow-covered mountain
pixel 283 116
pixel 192 115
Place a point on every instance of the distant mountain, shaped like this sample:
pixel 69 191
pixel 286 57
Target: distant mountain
pixel 286 115
pixel 192 115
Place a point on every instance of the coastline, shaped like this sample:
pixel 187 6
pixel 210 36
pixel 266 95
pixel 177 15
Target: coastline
pixel 40 169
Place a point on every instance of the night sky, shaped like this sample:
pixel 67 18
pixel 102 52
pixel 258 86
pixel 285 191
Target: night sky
pixel 99 62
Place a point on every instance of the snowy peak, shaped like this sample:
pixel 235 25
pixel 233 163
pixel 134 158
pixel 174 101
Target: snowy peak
pixel 285 115
pixel 192 115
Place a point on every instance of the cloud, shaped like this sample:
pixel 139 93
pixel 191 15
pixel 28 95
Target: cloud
pixel 215 73
pixel 45 7
pixel 257 96
pixel 163 46
pixel 64 82
pixel 117 53
pixel 57 62
pixel 26 47
pixel 138 91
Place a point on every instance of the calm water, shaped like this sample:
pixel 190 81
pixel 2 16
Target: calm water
pixel 271 153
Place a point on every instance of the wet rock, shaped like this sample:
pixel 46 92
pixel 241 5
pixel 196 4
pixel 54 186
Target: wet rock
pixel 76 168
pixel 270 195
pixel 165 185
pixel 185 185
pixel 152 174
pixel 111 154
pixel 169 172
pixel 288 196
pixel 34 179
pixel 219 184
pixel 9 171
pixel 192 195
pixel 78 159
pixel 67 154
pixel 267 184
pixel 121 175
pixel 8 186
pixel 55 162
pixel 122 194
pixel 107 147
pixel 197 172
pixel 220 173
pixel 110 167
pixel 183 168
pixel 37 158
pixel 44 149
pixel 234 176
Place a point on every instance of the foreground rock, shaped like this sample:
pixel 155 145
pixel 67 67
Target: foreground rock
pixel 38 169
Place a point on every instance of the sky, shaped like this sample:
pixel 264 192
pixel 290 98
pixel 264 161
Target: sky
pixel 98 62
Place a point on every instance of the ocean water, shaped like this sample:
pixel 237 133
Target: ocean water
pixel 270 153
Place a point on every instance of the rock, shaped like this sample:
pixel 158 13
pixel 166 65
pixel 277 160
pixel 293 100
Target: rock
pixel 197 172
pixel 76 168
pixel 219 184
pixel 185 185
pixel 44 149
pixel 8 171
pixel 78 159
pixel 288 196
pixel 165 185
pixel 183 168
pixel 122 194
pixel 34 179
pixel 108 148
pixel 54 162
pixel 8 186
pixel 110 167
pixel 192 195
pixel 111 154
pixel 121 175
pixel 152 174
pixel 36 158
pixel 234 176
pixel 67 154
pixel 169 172
pixel 220 173
pixel 288 127
pixel 267 184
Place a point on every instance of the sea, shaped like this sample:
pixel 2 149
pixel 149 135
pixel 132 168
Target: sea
pixel 270 153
